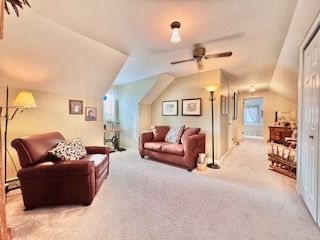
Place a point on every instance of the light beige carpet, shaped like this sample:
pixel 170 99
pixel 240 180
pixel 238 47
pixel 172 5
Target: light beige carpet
pixel 143 199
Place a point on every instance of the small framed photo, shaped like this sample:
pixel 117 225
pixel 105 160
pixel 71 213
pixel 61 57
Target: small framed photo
pixel 170 108
pixel 75 107
pixel 91 114
pixel 191 107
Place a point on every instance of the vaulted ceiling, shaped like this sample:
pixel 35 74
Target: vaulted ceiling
pixel 80 42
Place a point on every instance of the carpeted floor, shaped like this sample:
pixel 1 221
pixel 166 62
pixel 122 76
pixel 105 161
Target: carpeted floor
pixel 143 199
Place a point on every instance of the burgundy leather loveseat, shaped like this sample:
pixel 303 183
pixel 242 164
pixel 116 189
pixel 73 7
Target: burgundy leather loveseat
pixel 47 180
pixel 185 154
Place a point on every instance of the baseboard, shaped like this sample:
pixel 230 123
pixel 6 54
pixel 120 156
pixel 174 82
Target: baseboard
pixel 225 155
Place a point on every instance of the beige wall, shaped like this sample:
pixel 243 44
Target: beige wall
pixel 192 86
pixel 145 114
pixel 130 95
pixel 272 103
pixel 52 114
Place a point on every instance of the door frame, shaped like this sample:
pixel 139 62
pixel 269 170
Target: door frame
pixel 264 114
pixel 307 39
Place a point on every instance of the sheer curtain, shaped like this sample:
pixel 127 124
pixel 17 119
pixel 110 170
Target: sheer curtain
pixel 252 114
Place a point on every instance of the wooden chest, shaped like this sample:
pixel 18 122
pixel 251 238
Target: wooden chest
pixel 278 134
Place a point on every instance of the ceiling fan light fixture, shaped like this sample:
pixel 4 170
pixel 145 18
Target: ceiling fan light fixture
pixel 175 36
pixel 252 89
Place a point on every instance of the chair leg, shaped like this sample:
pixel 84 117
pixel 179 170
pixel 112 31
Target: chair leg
pixel 142 155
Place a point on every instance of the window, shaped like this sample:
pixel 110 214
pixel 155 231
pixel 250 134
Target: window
pixel 252 114
pixel 109 107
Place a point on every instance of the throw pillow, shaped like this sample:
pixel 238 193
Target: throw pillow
pixel 69 150
pixel 159 133
pixel 189 132
pixel 81 150
pixel 174 135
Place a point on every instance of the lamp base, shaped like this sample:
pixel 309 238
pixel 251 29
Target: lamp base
pixel 213 166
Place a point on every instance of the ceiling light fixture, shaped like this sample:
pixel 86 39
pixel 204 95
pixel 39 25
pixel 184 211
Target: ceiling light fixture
pixel 175 36
pixel 252 89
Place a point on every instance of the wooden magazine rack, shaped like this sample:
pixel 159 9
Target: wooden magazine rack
pixel 282 160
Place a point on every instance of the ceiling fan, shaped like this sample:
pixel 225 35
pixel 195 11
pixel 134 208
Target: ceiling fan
pixel 199 52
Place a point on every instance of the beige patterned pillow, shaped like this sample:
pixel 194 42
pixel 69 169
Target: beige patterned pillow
pixel 174 135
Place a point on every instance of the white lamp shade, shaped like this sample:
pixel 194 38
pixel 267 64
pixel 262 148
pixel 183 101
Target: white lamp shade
pixel 175 37
pixel 24 100
pixel 212 88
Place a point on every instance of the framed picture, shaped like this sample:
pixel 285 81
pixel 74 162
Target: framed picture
pixel 235 106
pixel 191 107
pixel 170 108
pixel 91 114
pixel 224 105
pixel 75 107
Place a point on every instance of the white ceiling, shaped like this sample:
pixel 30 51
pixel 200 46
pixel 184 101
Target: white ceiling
pixel 38 54
pixel 285 77
pixel 253 30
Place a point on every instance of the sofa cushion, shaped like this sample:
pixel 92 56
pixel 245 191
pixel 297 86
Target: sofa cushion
pixel 176 149
pixel 154 146
pixel 100 162
pixel 174 135
pixel 159 133
pixel 189 132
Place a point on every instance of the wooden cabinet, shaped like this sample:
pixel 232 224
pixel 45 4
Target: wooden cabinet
pixel 278 134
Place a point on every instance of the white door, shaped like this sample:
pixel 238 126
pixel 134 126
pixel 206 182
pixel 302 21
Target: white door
pixel 310 127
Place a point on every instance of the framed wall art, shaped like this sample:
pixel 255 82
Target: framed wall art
pixel 75 107
pixel 191 107
pixel 235 106
pixel 224 105
pixel 91 114
pixel 170 108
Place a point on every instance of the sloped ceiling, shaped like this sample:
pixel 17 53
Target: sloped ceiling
pixel 39 54
pixel 253 30
pixel 285 77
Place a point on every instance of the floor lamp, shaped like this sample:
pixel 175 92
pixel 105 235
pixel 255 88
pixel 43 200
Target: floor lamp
pixel 212 89
pixel 24 100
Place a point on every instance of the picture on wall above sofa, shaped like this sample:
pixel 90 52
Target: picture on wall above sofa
pixel 191 107
pixel 170 108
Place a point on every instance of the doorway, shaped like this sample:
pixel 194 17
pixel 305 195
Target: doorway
pixel 253 117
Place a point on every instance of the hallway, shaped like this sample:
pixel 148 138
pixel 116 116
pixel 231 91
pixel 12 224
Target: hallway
pixel 247 164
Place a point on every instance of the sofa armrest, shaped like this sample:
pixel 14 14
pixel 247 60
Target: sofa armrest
pixel 98 150
pixel 144 137
pixel 60 169
pixel 193 145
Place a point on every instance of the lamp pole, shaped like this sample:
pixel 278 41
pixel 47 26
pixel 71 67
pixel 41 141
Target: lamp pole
pixel 213 164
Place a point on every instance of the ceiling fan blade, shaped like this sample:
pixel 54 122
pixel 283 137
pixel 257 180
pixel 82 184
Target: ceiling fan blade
pixel 200 65
pixel 218 55
pixel 182 61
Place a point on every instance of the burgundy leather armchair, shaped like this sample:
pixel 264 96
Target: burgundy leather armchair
pixel 47 180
